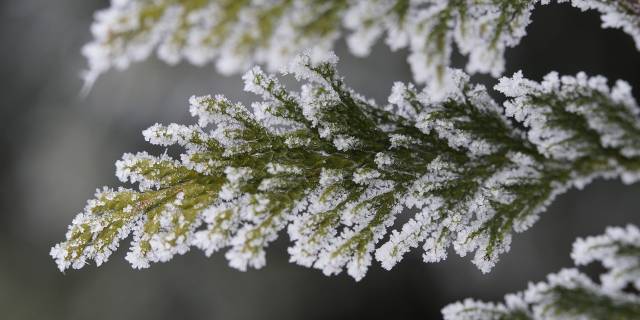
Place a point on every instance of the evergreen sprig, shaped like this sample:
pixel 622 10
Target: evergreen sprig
pixel 236 34
pixel 336 169
pixel 570 294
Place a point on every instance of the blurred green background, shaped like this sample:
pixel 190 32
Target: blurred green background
pixel 56 148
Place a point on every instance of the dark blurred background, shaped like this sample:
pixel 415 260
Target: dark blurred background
pixel 56 148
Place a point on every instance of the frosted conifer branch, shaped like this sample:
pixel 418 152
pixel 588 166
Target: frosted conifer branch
pixel 618 250
pixel 236 34
pixel 570 294
pixel 335 169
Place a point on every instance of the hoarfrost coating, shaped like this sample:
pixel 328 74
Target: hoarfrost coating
pixel 570 294
pixel 238 34
pixel 335 170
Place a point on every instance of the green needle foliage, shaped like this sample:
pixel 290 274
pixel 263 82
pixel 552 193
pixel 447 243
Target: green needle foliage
pixel 236 34
pixel 570 294
pixel 336 169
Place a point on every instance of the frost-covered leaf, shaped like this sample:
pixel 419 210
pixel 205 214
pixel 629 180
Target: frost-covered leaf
pixel 235 34
pixel 570 294
pixel 618 250
pixel 335 170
